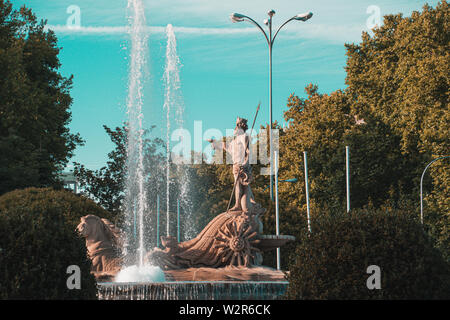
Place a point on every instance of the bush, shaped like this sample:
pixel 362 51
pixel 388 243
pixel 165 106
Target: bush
pixel 332 261
pixel 38 242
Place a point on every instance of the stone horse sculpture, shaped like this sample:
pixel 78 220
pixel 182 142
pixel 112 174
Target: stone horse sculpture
pixel 233 238
pixel 104 242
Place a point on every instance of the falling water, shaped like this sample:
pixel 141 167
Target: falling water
pixel 172 104
pixel 172 83
pixel 194 290
pixel 136 198
pixel 174 107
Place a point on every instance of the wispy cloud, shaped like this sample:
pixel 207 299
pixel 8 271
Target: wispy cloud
pixel 321 32
pixel 333 21
pixel 112 30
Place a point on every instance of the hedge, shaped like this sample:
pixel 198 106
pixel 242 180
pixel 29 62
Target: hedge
pixel 38 242
pixel 332 262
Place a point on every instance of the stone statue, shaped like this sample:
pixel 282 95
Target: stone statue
pixel 103 242
pixel 231 238
pixel 240 153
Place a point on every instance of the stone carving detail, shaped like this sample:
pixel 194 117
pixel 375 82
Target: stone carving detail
pixel 230 239
pixel 237 242
pixel 104 242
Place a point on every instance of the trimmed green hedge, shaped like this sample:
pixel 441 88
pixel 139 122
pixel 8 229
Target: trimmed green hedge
pixel 38 242
pixel 332 261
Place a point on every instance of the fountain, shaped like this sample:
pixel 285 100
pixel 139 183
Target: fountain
pixel 193 290
pixel 173 105
pixel 171 81
pixel 224 260
pixel 135 194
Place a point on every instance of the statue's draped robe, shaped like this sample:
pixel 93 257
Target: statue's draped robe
pixel 205 250
pixel 200 251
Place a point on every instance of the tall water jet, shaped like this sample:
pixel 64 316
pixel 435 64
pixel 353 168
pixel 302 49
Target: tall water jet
pixel 174 108
pixel 135 195
pixel 172 84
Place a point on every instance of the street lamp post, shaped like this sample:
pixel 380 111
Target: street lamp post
pixel 157 220
pixel 237 17
pixel 347 175
pixel 277 216
pixel 305 159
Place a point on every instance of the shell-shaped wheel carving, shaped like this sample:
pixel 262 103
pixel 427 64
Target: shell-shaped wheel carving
pixel 236 241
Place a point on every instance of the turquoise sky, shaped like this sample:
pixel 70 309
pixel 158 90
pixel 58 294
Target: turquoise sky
pixel 224 70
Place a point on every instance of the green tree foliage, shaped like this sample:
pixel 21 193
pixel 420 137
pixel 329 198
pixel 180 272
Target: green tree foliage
pixel 332 261
pixel 38 242
pixel 394 117
pixel 323 125
pixel 213 184
pixel 400 76
pixel 35 140
pixel 107 185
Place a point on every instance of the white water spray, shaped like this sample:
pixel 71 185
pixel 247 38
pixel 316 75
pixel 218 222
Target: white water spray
pixel 135 194
pixel 172 84
pixel 174 108
pixel 140 274
pixel 136 197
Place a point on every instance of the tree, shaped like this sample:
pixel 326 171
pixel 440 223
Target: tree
pixel 35 140
pixel 323 125
pixel 400 76
pixel 393 115
pixel 107 185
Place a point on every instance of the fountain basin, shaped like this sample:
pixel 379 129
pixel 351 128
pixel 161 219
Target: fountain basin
pixel 270 242
pixel 193 290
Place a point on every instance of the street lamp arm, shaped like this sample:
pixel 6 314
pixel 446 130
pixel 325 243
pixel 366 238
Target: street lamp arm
pixel 421 184
pixel 273 39
pixel 423 173
pixel 259 27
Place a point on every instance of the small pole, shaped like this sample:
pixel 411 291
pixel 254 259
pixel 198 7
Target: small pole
pixel 157 220
pixel 178 220
pixel 421 198
pixel 134 220
pixel 347 165
pixel 307 190
pixel 277 216
pixel 168 220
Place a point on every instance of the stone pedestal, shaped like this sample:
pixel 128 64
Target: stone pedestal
pixel 225 274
